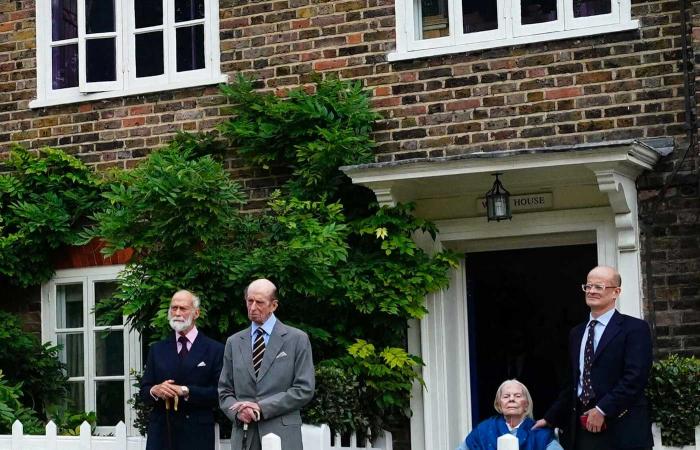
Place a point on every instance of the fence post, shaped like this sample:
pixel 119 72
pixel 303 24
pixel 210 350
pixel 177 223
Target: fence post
pixel 85 436
pixel 271 442
pixel 697 437
pixel 120 435
pixel 51 435
pixel 17 435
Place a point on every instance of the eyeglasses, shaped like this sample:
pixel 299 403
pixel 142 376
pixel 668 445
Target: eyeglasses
pixel 596 287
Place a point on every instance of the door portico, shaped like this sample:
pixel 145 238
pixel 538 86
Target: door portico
pixel 594 200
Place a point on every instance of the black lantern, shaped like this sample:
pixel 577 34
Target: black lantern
pixel 498 201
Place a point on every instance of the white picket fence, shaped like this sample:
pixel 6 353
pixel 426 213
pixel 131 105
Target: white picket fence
pixel 314 438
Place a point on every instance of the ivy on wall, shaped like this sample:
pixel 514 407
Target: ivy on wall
pixel 348 271
pixel 45 200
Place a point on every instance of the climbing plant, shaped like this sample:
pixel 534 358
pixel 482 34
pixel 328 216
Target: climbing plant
pixel 348 270
pixel 45 200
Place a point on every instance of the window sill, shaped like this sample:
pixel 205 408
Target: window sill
pixel 79 98
pixel 544 37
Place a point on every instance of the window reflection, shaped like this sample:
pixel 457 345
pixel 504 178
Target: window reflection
pixel 587 8
pixel 435 19
pixel 100 55
pixel 479 15
pixel 64 19
pixel 538 11
pixel 190 48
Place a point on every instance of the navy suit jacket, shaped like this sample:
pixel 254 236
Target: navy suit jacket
pixel 192 425
pixel 619 375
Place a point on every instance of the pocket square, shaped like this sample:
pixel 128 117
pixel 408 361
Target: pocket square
pixel 281 355
pixel 201 364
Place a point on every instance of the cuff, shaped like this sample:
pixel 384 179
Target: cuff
pixel 600 410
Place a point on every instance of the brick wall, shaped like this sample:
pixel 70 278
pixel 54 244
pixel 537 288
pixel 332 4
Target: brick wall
pixel 613 86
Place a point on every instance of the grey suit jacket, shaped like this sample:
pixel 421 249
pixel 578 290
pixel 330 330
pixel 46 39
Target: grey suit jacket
pixel 285 383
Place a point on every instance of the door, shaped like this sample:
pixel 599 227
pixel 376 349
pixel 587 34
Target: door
pixel 521 305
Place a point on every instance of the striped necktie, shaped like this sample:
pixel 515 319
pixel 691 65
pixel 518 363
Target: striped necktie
pixel 258 350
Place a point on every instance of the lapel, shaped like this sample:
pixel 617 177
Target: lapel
pixel 576 346
pixel 245 349
pixel 614 326
pixel 171 357
pixel 273 348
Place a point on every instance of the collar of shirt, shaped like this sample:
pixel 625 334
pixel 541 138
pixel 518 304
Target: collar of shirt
pixel 191 336
pixel 602 319
pixel 515 427
pixel 267 326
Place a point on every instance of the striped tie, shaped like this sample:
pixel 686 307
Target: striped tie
pixel 258 350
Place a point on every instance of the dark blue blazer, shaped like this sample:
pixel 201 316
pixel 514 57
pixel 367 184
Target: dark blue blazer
pixel 619 375
pixel 192 425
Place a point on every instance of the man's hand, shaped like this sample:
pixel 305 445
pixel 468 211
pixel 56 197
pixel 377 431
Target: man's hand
pixel 166 389
pixel 595 420
pixel 247 412
pixel 540 424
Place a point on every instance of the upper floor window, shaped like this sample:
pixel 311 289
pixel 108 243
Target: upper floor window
pixel 433 27
pixel 98 356
pixel 90 49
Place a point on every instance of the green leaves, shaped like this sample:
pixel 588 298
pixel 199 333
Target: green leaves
pixel 44 204
pixel 312 134
pixel 674 393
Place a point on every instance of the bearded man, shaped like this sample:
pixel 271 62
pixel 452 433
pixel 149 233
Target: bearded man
pixel 180 381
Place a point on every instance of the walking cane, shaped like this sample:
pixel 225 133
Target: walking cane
pixel 245 436
pixel 245 431
pixel 167 420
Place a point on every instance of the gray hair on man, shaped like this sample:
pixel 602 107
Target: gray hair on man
pixel 195 300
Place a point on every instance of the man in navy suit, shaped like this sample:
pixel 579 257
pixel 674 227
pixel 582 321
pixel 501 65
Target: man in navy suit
pixel 180 381
pixel 604 406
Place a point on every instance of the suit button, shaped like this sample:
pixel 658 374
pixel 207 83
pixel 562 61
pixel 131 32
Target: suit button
pixel 187 416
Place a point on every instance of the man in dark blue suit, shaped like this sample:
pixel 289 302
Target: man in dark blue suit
pixel 604 406
pixel 180 381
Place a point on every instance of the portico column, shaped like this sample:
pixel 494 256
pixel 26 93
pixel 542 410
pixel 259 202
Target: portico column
pixel 622 194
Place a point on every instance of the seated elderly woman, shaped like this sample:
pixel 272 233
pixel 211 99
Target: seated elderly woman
pixel 514 404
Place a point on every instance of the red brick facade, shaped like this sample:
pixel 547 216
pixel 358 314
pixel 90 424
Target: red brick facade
pixel 601 88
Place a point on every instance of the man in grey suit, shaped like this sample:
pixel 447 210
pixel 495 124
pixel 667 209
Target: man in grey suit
pixel 267 376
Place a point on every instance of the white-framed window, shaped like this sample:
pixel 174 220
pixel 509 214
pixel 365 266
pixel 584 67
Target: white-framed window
pixel 98 357
pixel 92 49
pixel 434 27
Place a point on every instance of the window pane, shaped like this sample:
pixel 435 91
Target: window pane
pixel 479 15
pixel 99 16
pixel 64 19
pixel 109 399
pixel 64 66
pixel 148 13
pixel 71 353
pixel 435 20
pixel 109 353
pixel 69 304
pixel 538 11
pixel 100 59
pixel 587 8
pixel 76 395
pixel 188 10
pixel 149 54
pixel 190 48
pixel 104 291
